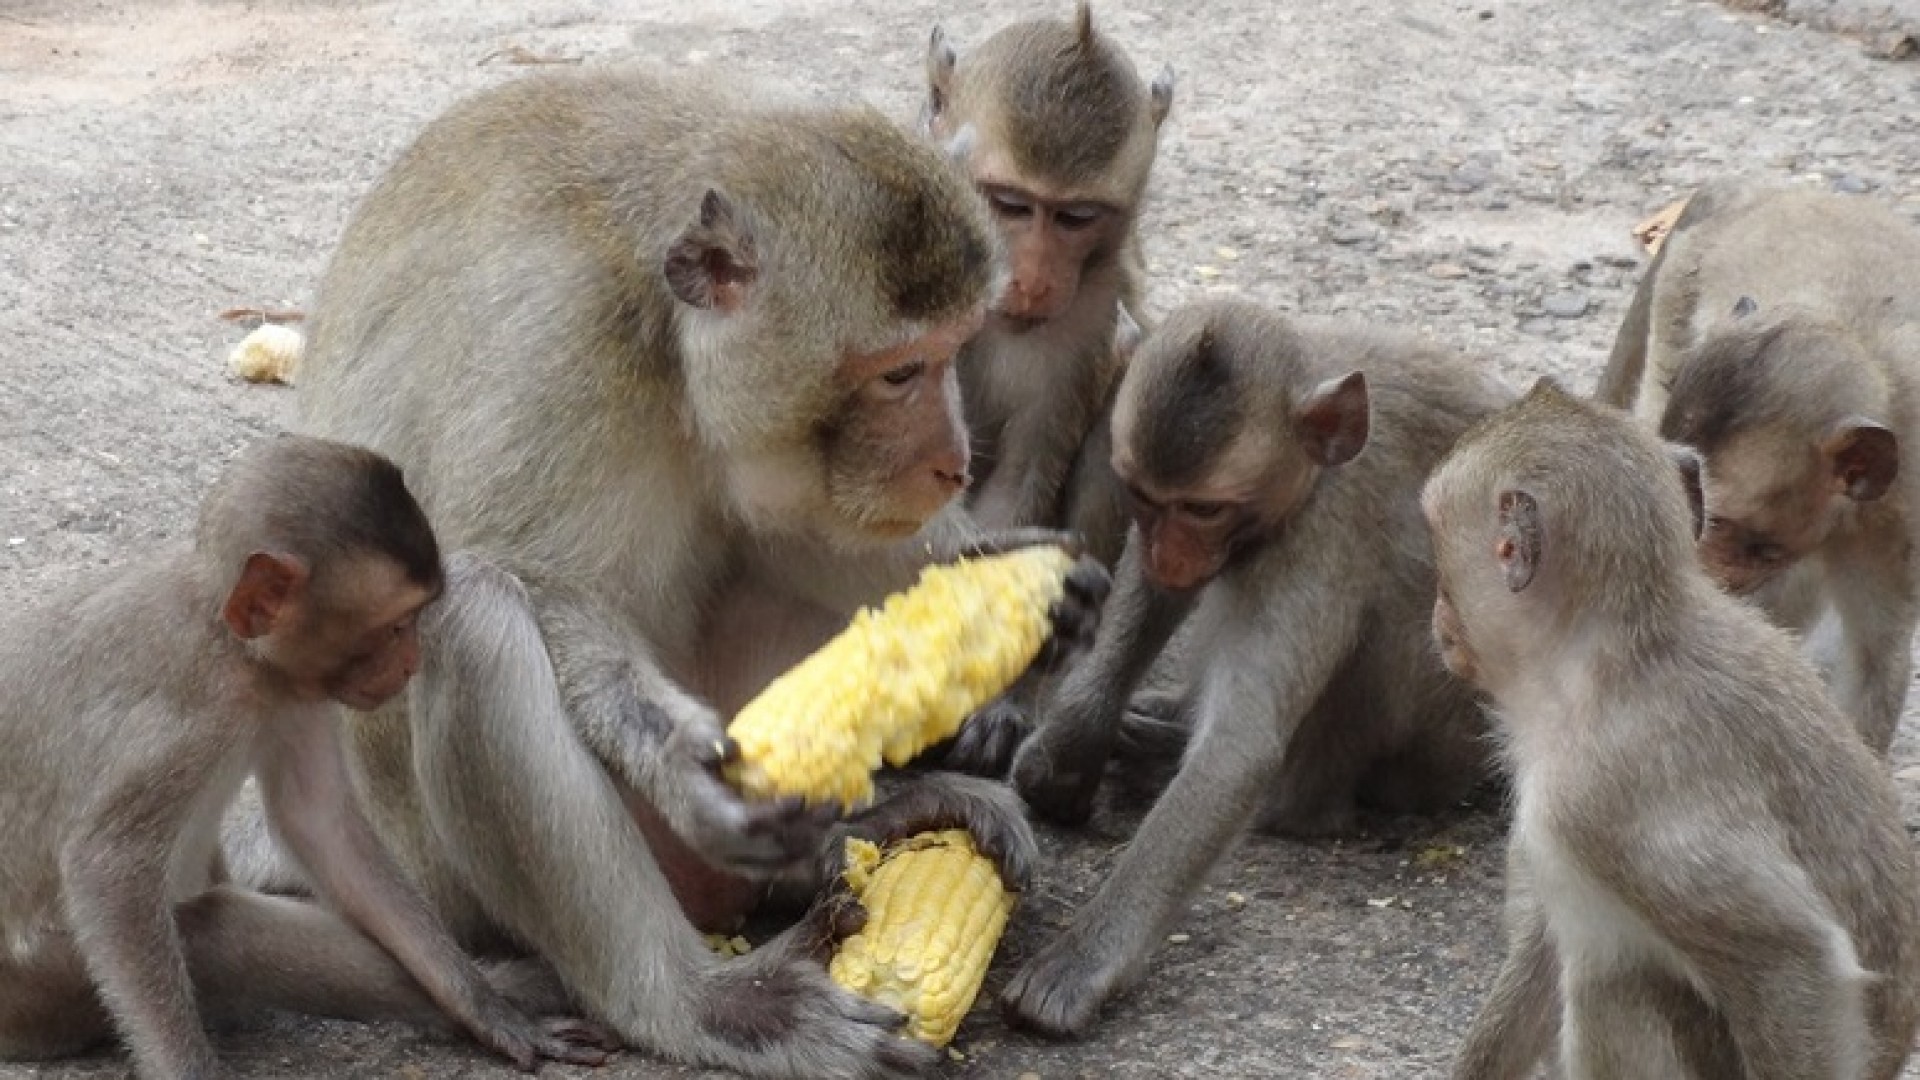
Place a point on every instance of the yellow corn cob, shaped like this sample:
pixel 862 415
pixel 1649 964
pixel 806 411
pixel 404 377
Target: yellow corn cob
pixel 899 679
pixel 935 910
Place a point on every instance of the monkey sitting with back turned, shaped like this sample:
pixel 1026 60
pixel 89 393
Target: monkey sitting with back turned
pixel 1273 468
pixel 1778 333
pixel 131 707
pixel 1707 873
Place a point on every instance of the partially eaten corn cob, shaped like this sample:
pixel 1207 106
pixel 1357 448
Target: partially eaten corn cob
pixel 935 911
pixel 899 679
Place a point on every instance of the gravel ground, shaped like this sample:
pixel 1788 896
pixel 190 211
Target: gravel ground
pixel 1468 169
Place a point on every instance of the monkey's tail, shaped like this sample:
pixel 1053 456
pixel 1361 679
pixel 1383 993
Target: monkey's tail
pixel 252 857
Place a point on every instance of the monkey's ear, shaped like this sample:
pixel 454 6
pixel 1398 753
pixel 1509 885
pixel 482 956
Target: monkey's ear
pixel 1160 96
pixel 712 264
pixel 267 584
pixel 1333 420
pixel 1745 306
pixel 1126 334
pixel 941 60
pixel 1687 460
pixel 1521 539
pixel 1864 457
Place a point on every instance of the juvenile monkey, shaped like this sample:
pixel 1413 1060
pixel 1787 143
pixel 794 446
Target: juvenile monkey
pixel 661 364
pixel 1274 469
pixel 1057 131
pixel 132 705
pixel 1796 378
pixel 1707 873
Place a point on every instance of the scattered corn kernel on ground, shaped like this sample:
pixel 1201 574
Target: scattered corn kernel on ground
pixel 935 911
pixel 899 679
pixel 271 353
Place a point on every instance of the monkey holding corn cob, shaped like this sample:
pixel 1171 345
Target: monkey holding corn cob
pixel 896 681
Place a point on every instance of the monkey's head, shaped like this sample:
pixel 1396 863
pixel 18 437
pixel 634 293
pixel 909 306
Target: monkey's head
pixel 823 288
pixel 323 561
pixel 1058 133
pixel 1220 433
pixel 1547 516
pixel 1781 407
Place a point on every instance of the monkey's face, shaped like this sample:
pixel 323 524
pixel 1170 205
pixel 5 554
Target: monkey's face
pixel 895 451
pixel 1051 241
pixel 1471 604
pixel 353 637
pixel 1189 532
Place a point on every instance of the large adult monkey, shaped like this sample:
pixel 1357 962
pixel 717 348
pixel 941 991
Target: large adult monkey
pixel 1796 379
pixel 652 357
pixel 1059 133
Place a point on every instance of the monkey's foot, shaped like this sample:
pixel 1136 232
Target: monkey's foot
pixel 1060 991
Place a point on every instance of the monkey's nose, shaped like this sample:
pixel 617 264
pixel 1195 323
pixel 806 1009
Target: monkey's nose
pixel 953 480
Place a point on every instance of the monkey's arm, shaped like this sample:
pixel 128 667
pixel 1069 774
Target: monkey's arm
pixel 1516 1024
pixel 1058 770
pixel 1774 960
pixel 665 744
pixel 1034 456
pixel 1273 654
pixel 310 802
pixel 114 874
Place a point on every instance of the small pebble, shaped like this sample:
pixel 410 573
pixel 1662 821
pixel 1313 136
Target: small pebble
pixel 1851 185
pixel 1447 271
pixel 1350 234
pixel 1566 305
pixel 1226 253
pixel 1538 327
pixel 1178 939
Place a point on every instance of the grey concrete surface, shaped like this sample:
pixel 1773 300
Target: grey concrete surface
pixel 1470 170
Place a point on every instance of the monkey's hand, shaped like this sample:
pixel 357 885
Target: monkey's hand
pixel 757 838
pixel 503 1028
pixel 777 1010
pixel 926 802
pixel 986 743
pixel 1059 769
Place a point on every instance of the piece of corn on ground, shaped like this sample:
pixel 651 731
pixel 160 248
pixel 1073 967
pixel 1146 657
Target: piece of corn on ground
pixel 270 354
pixel 935 910
pixel 899 679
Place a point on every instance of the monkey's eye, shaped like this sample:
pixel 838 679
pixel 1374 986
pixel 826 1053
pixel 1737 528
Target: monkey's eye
pixel 1203 511
pixel 905 373
pixel 1762 551
pixel 400 628
pixel 1007 205
pixel 1075 218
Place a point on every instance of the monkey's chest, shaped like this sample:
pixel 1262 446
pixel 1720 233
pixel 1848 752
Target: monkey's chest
pixel 1595 932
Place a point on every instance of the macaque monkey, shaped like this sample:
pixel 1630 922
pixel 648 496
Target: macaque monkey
pixel 132 705
pixel 1274 469
pixel 674 371
pixel 1057 131
pixel 1778 333
pixel 1707 872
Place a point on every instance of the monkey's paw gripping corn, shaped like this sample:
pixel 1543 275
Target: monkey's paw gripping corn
pixel 899 679
pixel 935 911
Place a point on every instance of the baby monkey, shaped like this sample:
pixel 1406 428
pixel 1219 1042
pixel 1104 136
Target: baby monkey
pixel 131 708
pixel 1707 874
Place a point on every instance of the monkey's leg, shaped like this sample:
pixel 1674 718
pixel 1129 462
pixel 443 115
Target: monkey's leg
pixel 1235 754
pixel 48 1008
pixel 1516 1024
pixel 537 831
pixel 249 952
pixel 1612 1028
